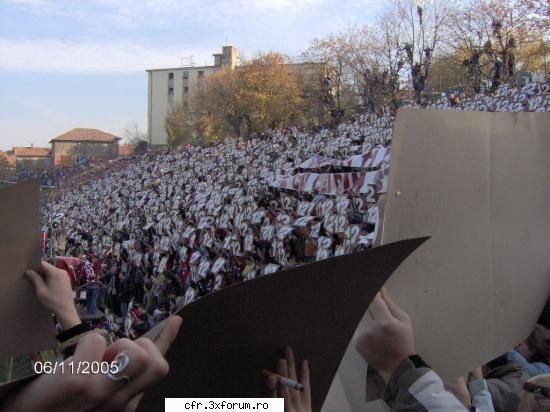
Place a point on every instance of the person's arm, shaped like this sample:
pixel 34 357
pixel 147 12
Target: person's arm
pixel 385 340
pixel 481 397
pixel 533 369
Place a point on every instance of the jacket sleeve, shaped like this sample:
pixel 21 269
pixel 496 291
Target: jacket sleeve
pixel 415 387
pixel 533 369
pixel 481 398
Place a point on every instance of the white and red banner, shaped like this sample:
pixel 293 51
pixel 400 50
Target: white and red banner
pixel 334 183
pixel 371 159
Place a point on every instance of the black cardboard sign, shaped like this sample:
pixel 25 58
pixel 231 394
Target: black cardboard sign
pixel 227 338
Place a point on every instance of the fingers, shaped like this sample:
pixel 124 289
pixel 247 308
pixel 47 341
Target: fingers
pixel 90 348
pixel 272 386
pixel 379 310
pixel 304 375
pixel 49 270
pixel 115 348
pixel 37 282
pixel 395 310
pixel 153 369
pixel 168 334
pixel 289 355
pixel 145 367
pixel 282 369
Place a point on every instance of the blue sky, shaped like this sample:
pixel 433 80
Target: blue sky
pixel 81 63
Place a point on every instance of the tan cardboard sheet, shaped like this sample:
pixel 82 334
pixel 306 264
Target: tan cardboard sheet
pixel 26 326
pixel 479 184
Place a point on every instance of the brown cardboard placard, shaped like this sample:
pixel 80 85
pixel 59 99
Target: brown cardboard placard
pixel 27 326
pixel 227 338
pixel 478 184
pixel 19 239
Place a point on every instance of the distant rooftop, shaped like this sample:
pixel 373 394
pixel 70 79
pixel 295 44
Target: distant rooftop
pixel 86 135
pixel 31 151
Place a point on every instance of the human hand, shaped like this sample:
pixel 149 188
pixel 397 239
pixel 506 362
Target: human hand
pixel 295 400
pixel 475 375
pixel 385 336
pixel 53 289
pixel 69 392
pixel 459 389
pixel 524 350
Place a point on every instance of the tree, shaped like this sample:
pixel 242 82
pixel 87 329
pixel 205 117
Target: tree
pixel 334 52
pixel 498 36
pixel 531 57
pixel 133 134
pixel 4 163
pixel 269 92
pixel 446 73
pixel 418 31
pixel 374 59
pixel 141 147
pixel 179 127
pixel 261 94
pixel 217 108
pixel 311 80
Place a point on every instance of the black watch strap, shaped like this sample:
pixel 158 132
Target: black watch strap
pixel 418 362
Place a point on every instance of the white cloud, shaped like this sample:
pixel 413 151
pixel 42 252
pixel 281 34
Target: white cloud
pixel 55 56
pixel 31 3
pixel 280 5
pixel 135 14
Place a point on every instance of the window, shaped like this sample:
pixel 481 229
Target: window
pixel 201 74
pixel 185 75
pixel 170 76
pixel 170 91
pixel 186 89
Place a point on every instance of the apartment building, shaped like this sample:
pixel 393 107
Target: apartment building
pixel 167 87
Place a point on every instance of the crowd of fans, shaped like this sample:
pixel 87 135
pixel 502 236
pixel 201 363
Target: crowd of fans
pixel 148 234
pixel 178 225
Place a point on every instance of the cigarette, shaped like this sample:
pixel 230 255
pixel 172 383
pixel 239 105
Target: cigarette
pixel 284 381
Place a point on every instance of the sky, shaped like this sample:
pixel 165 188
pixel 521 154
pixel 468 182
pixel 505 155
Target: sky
pixel 81 63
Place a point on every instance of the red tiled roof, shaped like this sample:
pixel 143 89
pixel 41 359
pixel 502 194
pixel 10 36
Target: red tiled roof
pixel 31 151
pixel 86 135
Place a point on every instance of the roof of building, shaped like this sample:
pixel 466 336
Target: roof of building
pixel 86 135
pixel 31 151
pixel 187 68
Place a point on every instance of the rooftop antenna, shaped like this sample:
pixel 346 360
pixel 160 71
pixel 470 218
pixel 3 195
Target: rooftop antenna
pixel 187 61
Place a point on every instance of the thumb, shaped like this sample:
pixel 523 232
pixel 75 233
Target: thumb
pixel 37 281
pixel 395 310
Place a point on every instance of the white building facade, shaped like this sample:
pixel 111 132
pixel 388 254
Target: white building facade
pixel 168 87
